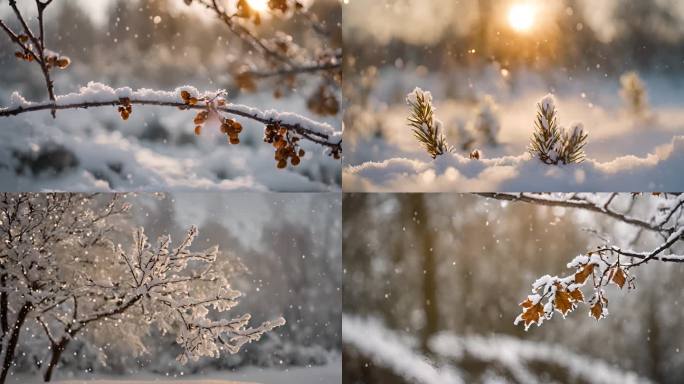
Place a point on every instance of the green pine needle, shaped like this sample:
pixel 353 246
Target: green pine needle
pixel 426 129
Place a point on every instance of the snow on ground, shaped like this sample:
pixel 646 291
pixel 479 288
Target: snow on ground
pixel 328 374
pixel 156 150
pixel 387 348
pixel 659 171
pixel 381 154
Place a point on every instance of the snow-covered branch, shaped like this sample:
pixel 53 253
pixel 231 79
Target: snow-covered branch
pixel 589 202
pixel 186 98
pixel 605 265
pixel 59 267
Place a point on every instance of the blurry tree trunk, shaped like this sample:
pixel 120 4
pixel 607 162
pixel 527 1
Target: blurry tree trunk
pixel 425 241
pixel 9 341
pixel 484 17
pixel 56 350
pixel 654 349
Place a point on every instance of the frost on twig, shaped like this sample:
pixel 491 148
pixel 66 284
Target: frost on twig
pixel 553 144
pixel 59 267
pixel 426 128
pixel 178 289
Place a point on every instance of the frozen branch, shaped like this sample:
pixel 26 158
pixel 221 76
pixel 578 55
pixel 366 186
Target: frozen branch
pixel 99 95
pixel 605 265
pixel 579 201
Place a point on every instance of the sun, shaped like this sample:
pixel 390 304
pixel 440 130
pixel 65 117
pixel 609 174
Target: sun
pixel 258 5
pixel 521 17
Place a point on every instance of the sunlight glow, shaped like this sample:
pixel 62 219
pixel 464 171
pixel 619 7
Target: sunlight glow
pixel 521 17
pixel 258 5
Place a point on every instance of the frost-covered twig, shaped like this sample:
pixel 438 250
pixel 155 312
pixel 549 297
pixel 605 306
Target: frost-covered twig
pixel 426 128
pixel 99 95
pixel 58 266
pixel 587 201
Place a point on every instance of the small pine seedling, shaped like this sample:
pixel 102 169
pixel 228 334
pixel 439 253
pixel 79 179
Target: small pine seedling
pixel 550 143
pixel 633 92
pixel 426 129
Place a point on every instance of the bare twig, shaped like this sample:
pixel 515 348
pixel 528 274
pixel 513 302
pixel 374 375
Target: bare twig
pixel 327 66
pixel 39 42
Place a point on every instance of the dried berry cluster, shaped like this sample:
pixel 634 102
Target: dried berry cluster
pixel 231 128
pixel 125 108
pixel 188 98
pixel 323 102
pixel 54 60
pixel 286 145
pixel 51 59
pixel 200 119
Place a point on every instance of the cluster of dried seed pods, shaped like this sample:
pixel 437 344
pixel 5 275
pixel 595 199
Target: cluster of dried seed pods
pixel 323 102
pixel 188 98
pixel 285 144
pixel 55 60
pixel 200 119
pixel 52 59
pixel 231 128
pixel 125 107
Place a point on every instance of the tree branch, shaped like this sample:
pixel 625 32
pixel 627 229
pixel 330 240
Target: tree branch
pixel 313 135
pixel 39 43
pixel 573 202
pixel 326 66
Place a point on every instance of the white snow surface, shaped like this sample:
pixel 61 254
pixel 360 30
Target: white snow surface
pixel 658 171
pixel 327 374
pixel 387 349
pixel 390 350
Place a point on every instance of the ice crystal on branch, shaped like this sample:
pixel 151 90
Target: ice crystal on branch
pixel 426 128
pixel 550 142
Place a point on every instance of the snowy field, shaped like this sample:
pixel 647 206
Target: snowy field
pixel 328 374
pixel 624 152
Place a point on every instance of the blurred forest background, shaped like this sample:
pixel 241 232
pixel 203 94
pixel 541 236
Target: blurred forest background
pixel 487 63
pixel 290 250
pixel 437 267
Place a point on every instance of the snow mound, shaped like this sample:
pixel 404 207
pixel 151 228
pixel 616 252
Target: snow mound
pixel 390 350
pixel 386 348
pixel 658 171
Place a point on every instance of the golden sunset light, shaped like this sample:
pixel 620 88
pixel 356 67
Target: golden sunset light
pixel 521 17
pixel 258 5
